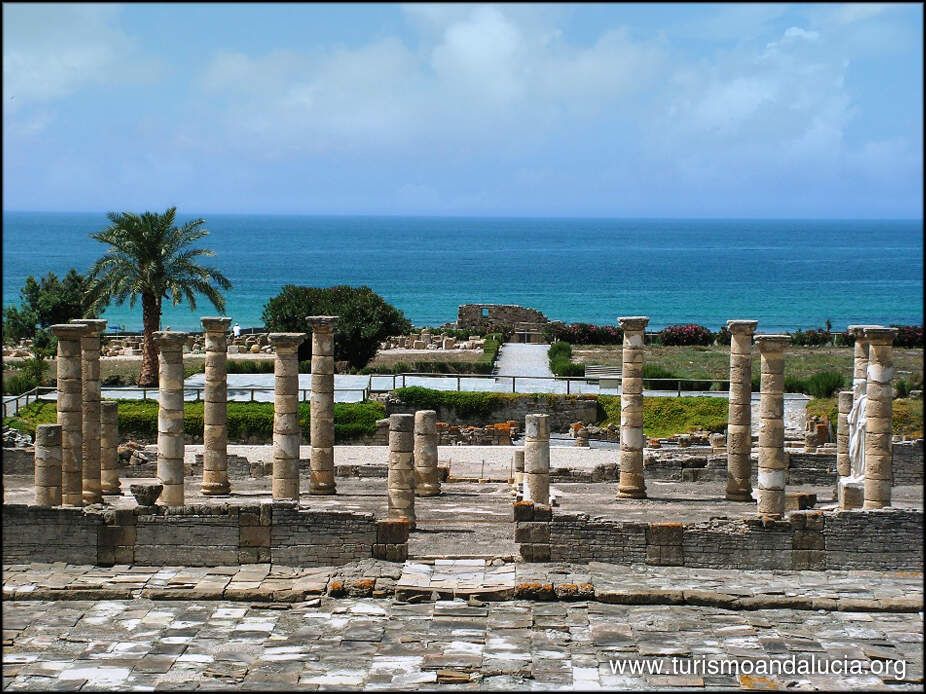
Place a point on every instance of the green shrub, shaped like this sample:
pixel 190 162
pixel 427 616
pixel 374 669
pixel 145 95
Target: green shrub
pixel 28 374
pixel 18 382
pixel 824 384
pixel 669 416
pixel 466 404
pixel 561 364
pixel 245 419
pixel 255 366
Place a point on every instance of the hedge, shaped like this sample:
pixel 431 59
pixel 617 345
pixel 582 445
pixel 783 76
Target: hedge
pixel 245 419
pixel 560 356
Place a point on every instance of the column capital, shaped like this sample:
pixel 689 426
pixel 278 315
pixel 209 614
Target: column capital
pixel 322 324
pixel 286 340
pixel 772 343
pixel 878 335
pixel 631 323
pixel 742 327
pixel 95 326
pixel 69 331
pixel 858 331
pixel 215 324
pixel 170 340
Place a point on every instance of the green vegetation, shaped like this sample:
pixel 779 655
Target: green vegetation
pixel 149 256
pixel 252 366
pixel 466 404
pixel 46 302
pixel 561 364
pixel 25 375
pixel 364 319
pixel 245 419
pixel 668 416
pixel 907 414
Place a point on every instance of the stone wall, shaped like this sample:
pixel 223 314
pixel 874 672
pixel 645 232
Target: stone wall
pixel 470 316
pixel 199 535
pixel 908 462
pixel 883 539
pixel 562 409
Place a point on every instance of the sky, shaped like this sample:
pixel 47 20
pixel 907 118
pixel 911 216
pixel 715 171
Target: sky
pixel 617 110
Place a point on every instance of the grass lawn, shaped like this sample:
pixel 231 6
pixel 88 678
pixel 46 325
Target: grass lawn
pixel 714 362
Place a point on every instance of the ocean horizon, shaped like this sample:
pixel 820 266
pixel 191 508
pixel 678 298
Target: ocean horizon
pixel 786 273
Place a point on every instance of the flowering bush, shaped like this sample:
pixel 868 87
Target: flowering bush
pixel 816 337
pixel 691 334
pixel 908 336
pixel 584 334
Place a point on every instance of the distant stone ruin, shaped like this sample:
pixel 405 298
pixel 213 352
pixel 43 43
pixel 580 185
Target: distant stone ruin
pixel 490 317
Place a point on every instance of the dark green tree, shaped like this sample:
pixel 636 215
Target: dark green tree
pixel 45 302
pixel 364 319
pixel 150 257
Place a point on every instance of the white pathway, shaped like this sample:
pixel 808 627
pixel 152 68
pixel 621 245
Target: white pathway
pixel 516 359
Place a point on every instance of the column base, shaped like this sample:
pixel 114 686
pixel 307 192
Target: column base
pixel 325 490
pixel 630 493
pixel 72 500
pixel 92 498
pixel 215 490
pixel 427 491
pixel 739 496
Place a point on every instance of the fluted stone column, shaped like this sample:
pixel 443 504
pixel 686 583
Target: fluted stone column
pixel 739 425
pixel 427 482
pixel 401 471
pixel 70 415
pixel 631 484
pixel 215 407
pixel 537 458
pixel 286 433
pixel 321 413
pixel 48 465
pixel 844 406
pixel 170 415
pixel 109 447
pixel 773 461
pixel 90 392
pixel 878 413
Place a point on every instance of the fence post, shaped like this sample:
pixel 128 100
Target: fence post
pixel 458 382
pixel 679 384
pixel 568 386
pixel 513 379
pixel 252 395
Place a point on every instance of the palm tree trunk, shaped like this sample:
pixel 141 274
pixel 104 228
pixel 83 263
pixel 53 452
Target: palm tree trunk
pixel 151 320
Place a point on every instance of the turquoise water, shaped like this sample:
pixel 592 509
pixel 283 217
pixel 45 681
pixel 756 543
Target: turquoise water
pixel 786 273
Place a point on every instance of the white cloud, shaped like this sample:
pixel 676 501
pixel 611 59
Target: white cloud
pixel 51 51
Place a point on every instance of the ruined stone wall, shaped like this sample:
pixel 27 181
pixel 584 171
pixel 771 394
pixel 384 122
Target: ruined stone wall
pixel 199 535
pixel 884 539
pixel 562 409
pixel 908 463
pixel 470 316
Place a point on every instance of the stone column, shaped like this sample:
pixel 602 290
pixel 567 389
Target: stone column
pixel 170 415
pixel 427 483
pixel 109 447
pixel 518 459
pixel 878 413
pixel 631 483
pixel 844 404
pixel 537 458
pixel 48 465
pixel 286 432
pixel 773 462
pixel 860 360
pixel 90 391
pixel 321 413
pixel 70 416
pixel 739 425
pixel 401 472
pixel 215 407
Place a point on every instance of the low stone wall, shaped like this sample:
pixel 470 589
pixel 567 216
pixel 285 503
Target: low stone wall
pixel 199 535
pixel 562 409
pixel 883 539
pixel 498 316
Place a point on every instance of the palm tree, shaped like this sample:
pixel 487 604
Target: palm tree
pixel 151 257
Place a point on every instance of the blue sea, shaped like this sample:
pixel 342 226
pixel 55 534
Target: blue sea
pixel 788 274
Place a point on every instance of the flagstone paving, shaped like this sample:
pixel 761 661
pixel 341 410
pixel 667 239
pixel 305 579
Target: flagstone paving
pixel 383 644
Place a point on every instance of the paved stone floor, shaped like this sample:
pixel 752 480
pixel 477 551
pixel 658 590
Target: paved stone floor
pixel 377 644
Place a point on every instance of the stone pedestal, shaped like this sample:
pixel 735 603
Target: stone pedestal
pixel 631 483
pixel 91 483
pixel 48 465
pixel 537 458
pixel 70 414
pixel 215 408
pixel 286 433
pixel 582 437
pixel 171 445
pixel 851 495
pixel 739 427
pixel 427 482
pixel 878 413
pixel 773 461
pixel 321 413
pixel 518 462
pixel 400 480
pixel 109 448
